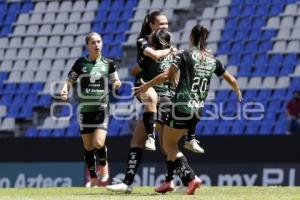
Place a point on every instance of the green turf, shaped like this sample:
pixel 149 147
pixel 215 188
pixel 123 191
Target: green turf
pixel 205 193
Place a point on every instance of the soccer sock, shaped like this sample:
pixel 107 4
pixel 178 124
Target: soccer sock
pixel 170 171
pixel 102 154
pixel 183 170
pixel 133 162
pixel 149 123
pixel 190 135
pixel 90 161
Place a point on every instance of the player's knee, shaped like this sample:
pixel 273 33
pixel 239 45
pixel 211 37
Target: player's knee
pixel 99 144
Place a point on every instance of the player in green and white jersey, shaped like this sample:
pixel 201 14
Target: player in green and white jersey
pixel 196 67
pixel 93 72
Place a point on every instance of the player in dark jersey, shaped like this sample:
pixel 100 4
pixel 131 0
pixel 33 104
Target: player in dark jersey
pixel 152 22
pixel 93 72
pixel 196 67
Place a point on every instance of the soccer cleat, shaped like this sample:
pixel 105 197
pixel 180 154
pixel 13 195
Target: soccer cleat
pixel 193 146
pixel 121 187
pixel 150 144
pixel 165 187
pixel 193 185
pixel 104 175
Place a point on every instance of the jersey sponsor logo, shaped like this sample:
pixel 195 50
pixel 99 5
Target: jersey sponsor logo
pixel 195 104
pixel 73 75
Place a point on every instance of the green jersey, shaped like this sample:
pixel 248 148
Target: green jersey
pixel 195 75
pixel 93 82
pixel 152 68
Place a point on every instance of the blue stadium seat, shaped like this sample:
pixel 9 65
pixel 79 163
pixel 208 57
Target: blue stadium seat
pixel 117 5
pixel 114 15
pixel 14 8
pixel 241 35
pixel 276 60
pixel 5 30
pixel 98 26
pixel 13 111
pixel 72 131
pixel 122 27
pixel 223 128
pixel 264 95
pixel 274 105
pixel 274 70
pixel 231 23
pixel 36 87
pixel 23 88
pixel 235 59
pixel 258 22
pixel 280 128
pixel 130 4
pixel 31 99
pixel 264 46
pixel 235 11
pixel 19 99
pixel 262 10
pixel 6 99
pixel 222 95
pixel 248 11
pixel 126 14
pixel 10 88
pixel 101 15
pixel 228 34
pixel 290 59
pixel 224 48
pixel 26 6
pixel 31 132
pixel 237 128
pixel 254 35
pixel 209 128
pixel 252 128
pixel 250 95
pixel 44 133
pixel 270 117
pixel 44 100
pixel 265 129
pixel 26 112
pixel 245 23
pixel 276 9
pixel 58 133
pixel 268 34
pixel 104 5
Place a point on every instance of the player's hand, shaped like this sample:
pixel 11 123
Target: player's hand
pixel 141 89
pixel 64 94
pixel 240 96
pixel 117 84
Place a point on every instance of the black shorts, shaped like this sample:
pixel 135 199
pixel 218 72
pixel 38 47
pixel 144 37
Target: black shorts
pixel 181 120
pixel 164 108
pixel 90 121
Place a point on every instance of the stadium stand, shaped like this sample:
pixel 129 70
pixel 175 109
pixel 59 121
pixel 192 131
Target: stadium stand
pixel 257 41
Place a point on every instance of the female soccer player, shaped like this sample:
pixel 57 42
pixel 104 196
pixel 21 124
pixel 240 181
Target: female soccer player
pixel 93 72
pixel 196 67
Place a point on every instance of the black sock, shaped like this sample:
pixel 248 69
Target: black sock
pixel 149 123
pixel 133 162
pixel 170 171
pixel 102 154
pixel 190 135
pixel 183 170
pixel 90 161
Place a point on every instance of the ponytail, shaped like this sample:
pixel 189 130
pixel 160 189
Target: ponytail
pixel 199 34
pixel 150 18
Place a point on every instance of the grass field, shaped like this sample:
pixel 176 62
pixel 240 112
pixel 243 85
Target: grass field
pixel 205 193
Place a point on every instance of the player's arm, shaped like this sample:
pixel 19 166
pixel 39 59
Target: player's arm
pixel 113 76
pixel 166 75
pixel 156 54
pixel 234 84
pixel 135 70
pixel 66 88
pixel 116 83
